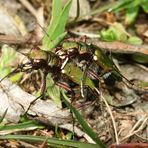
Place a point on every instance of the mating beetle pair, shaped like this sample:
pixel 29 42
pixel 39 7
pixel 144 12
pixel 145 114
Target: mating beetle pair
pixel 75 62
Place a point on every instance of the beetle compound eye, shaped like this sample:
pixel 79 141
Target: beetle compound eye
pixel 105 76
pixel 37 61
pixel 61 54
pixel 72 50
pixel 82 64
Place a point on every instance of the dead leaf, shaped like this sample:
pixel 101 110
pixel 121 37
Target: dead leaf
pixel 84 9
pixel 7 24
pixel 17 101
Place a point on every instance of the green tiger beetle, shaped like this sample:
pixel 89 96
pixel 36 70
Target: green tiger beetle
pixel 84 62
pixel 93 56
pixel 72 61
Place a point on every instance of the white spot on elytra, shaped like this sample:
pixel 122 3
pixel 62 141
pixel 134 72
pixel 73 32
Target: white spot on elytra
pixel 95 58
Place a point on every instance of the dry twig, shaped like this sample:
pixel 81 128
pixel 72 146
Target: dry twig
pixel 121 47
pixel 112 117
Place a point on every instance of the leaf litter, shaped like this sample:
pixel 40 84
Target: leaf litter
pixel 128 106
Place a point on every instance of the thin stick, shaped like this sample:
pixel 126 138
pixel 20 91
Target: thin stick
pixel 121 47
pixel 29 7
pixel 116 46
pixel 132 132
pixel 10 39
pixel 110 112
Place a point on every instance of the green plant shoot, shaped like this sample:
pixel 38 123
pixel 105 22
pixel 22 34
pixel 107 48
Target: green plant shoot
pixel 57 25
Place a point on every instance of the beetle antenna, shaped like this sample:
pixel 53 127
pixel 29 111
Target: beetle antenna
pixel 44 31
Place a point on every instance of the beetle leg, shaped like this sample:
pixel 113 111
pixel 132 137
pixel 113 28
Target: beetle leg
pixel 64 86
pixel 83 38
pixel 64 63
pixel 43 84
pixel 67 88
pixel 84 76
pixel 19 68
pixel 11 73
pixel 31 103
pixel 83 80
pixel 94 74
pixel 42 90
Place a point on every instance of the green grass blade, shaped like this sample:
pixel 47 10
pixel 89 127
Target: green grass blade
pixel 117 6
pixel 8 56
pixel 83 123
pixel 30 125
pixel 144 5
pixel 120 5
pixel 59 27
pixel 107 7
pixel 53 90
pixel 56 11
pixel 3 116
pixel 55 42
pixel 131 15
pixel 51 141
